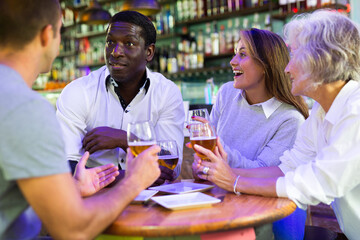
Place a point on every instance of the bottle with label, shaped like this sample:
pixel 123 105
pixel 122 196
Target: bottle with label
pixel 256 23
pixel 185 9
pixel 200 49
pixel 215 41
pixel 172 61
pixel 239 4
pixel 180 57
pixel 208 47
pixel 192 9
pixel 179 10
pixel 222 40
pixel 200 8
pixel 163 57
pixel 209 8
pixel 192 51
pixel 215 7
pixel 229 37
pixel 223 6
pixel 231 5
pixel 236 32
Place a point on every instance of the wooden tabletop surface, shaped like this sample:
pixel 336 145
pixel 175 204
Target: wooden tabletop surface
pixel 231 213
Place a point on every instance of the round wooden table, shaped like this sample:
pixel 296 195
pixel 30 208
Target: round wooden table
pixel 233 212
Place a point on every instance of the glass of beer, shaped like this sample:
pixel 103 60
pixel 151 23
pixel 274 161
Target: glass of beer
pixel 140 136
pixel 203 134
pixel 169 154
pixel 203 112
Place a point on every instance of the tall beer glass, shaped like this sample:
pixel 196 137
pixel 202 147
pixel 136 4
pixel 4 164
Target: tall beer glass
pixel 140 136
pixel 203 134
pixel 169 154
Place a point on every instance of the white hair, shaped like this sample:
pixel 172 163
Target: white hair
pixel 328 45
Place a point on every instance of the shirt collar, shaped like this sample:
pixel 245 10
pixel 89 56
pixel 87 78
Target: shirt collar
pixel 269 106
pixel 109 81
pixel 340 101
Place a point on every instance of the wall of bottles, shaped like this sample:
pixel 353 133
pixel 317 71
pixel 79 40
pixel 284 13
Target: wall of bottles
pixel 195 40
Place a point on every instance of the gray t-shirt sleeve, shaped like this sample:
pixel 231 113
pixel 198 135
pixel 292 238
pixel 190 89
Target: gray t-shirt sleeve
pixel 34 144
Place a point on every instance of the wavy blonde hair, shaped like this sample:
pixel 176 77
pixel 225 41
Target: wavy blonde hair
pixel 327 46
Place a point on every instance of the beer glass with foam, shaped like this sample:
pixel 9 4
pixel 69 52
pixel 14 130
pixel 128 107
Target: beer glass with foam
pixel 203 134
pixel 169 154
pixel 140 136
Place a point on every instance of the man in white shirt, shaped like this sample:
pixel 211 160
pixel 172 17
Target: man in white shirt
pixel 324 164
pixel 94 110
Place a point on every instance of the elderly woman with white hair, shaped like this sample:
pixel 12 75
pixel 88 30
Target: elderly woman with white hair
pixel 324 163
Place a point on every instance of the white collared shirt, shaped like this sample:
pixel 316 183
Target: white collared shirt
pixel 268 106
pixel 88 102
pixel 324 165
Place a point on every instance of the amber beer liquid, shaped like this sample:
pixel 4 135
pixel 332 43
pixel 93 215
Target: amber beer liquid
pixel 169 161
pixel 206 142
pixel 137 147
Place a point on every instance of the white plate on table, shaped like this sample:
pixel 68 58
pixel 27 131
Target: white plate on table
pixel 145 195
pixel 185 201
pixel 182 187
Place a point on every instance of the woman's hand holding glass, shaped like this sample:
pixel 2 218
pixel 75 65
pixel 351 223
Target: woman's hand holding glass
pixel 204 135
pixel 216 167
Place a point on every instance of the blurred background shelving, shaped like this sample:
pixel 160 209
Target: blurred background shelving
pixel 195 39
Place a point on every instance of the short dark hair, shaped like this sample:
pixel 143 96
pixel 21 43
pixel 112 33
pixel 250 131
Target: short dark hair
pixel 21 20
pixel 148 32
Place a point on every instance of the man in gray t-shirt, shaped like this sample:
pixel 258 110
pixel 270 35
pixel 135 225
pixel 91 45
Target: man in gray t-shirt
pixel 33 168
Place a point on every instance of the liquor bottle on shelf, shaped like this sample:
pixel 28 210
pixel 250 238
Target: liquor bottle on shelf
pixel 180 57
pixel 222 40
pixel 215 7
pixel 200 8
pixel 200 49
pixel 179 10
pixel 163 57
pixel 193 51
pixel 209 8
pixel 172 66
pixel 192 9
pixel 256 23
pixel 208 47
pixel 215 42
pixel 159 24
pixel 239 4
pixel 223 6
pixel 292 4
pixel 301 5
pixel 245 23
pixel 236 32
pixel 231 5
pixel 284 6
pixel 229 37
pixel 185 9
